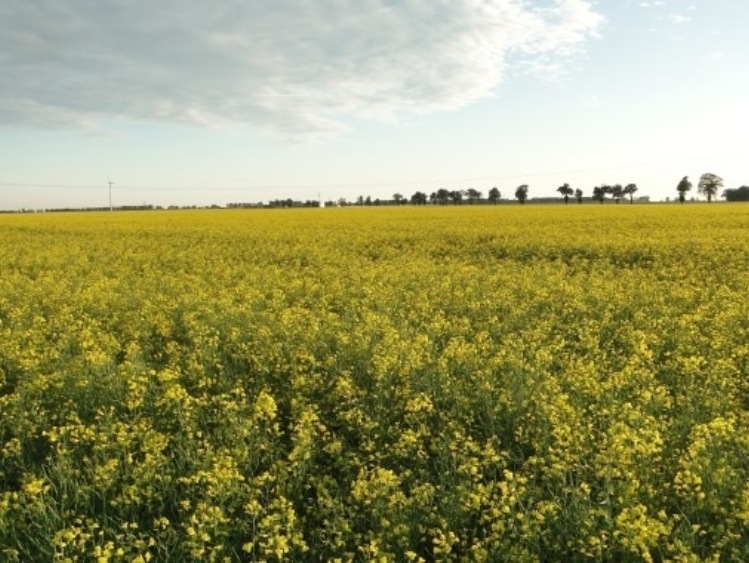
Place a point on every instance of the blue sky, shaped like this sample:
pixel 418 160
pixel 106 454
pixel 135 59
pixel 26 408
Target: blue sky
pixel 187 102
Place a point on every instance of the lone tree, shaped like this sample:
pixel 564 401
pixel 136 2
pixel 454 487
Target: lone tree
pixel 494 195
pixel 522 193
pixel 709 185
pixel 579 195
pixel 630 190
pixel 566 191
pixel 684 186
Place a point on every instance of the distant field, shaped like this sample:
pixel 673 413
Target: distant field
pixel 457 383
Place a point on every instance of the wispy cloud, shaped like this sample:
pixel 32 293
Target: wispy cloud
pixel 294 66
pixel 679 19
pixel 652 4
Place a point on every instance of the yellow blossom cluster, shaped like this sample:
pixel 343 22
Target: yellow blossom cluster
pixel 472 383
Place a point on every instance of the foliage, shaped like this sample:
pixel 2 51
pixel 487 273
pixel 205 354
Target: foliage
pixel 473 195
pixel 739 194
pixel 709 185
pixel 426 383
pixel 617 192
pixel 521 193
pixel 630 190
pixel 683 187
pixel 494 195
pixel 566 192
pixel 599 192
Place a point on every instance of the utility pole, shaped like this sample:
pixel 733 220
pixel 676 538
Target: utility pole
pixel 110 182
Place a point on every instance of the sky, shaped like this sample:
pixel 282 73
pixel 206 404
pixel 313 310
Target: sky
pixel 187 102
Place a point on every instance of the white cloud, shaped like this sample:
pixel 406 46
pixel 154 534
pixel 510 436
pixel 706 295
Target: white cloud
pixel 655 4
pixel 298 66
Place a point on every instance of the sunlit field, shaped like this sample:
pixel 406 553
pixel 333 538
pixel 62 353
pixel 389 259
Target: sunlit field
pixel 414 384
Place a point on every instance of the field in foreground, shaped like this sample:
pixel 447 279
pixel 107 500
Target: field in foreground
pixel 557 383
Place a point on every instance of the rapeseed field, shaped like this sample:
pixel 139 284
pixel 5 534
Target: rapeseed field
pixel 474 383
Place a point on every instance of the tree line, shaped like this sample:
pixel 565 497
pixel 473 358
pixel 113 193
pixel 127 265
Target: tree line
pixel 708 186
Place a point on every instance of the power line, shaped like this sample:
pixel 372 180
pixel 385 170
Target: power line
pixel 329 186
pixel 64 186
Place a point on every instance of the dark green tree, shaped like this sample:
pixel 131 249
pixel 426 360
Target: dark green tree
pixel 709 185
pixel 419 198
pixel 579 195
pixel 599 193
pixel 473 195
pixel 630 190
pixel 617 192
pixel 739 194
pixel 684 186
pixel 566 191
pixel 494 195
pixel 443 196
pixel 521 193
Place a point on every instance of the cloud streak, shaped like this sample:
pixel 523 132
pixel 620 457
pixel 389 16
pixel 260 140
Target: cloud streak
pixel 300 67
